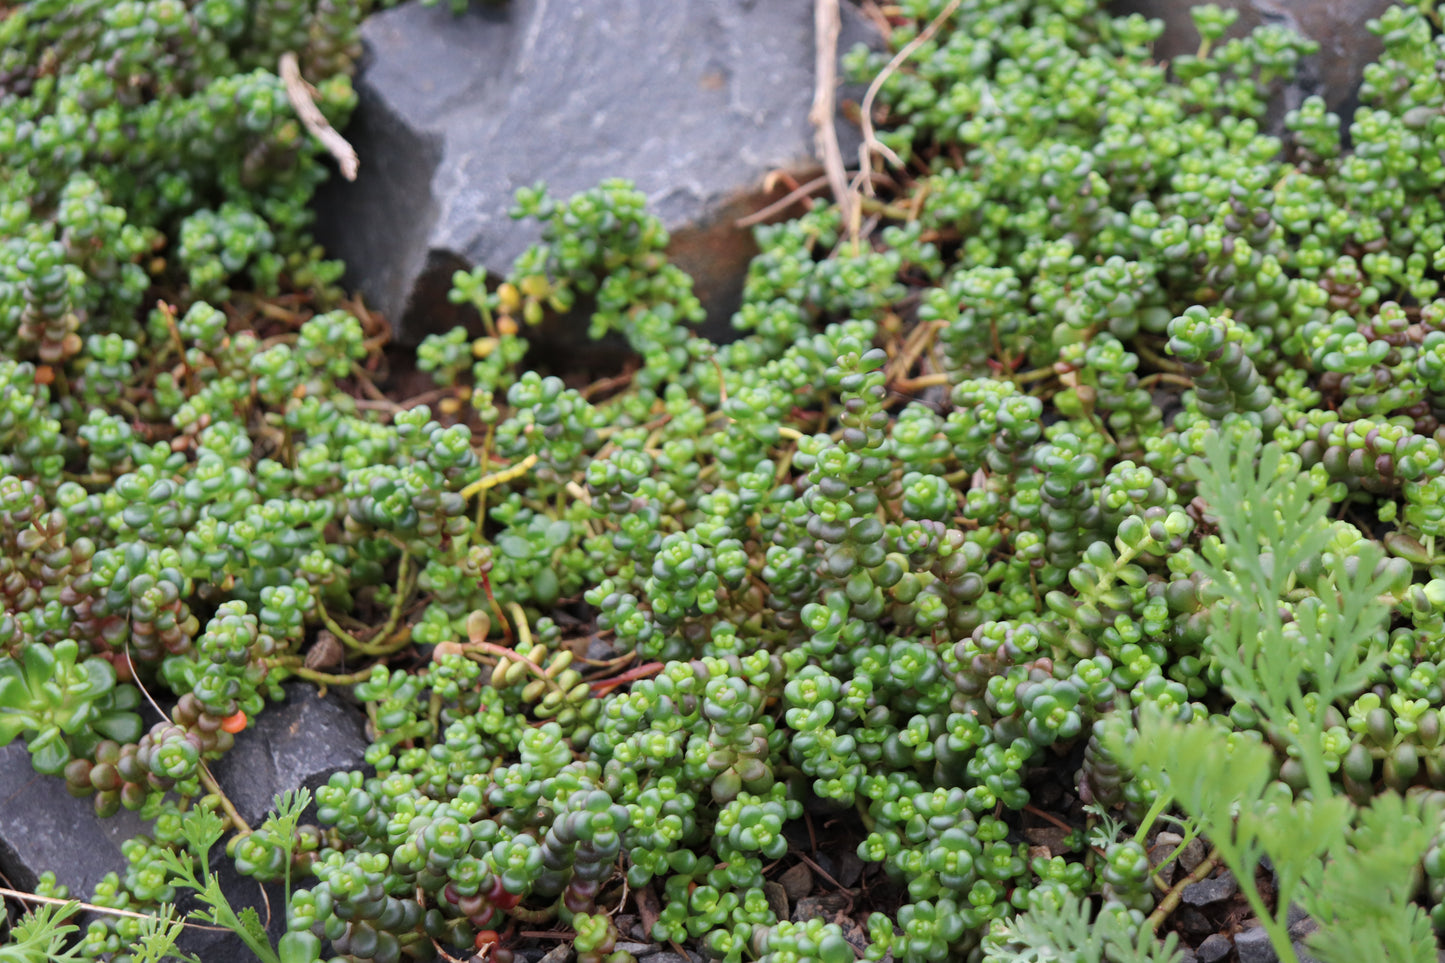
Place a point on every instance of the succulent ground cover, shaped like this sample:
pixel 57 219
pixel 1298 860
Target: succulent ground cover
pixel 1090 479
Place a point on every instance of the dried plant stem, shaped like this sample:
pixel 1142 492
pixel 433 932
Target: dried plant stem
pixel 16 894
pixel 871 144
pixel 299 93
pixel 826 25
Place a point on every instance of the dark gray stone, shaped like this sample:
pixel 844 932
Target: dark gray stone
pixel 797 882
pixel 1191 923
pixel 295 743
pixel 777 898
pixel 850 869
pixel 1301 925
pixel 1161 856
pixel 1338 26
pixel 694 102
pixel 43 827
pixel 1214 948
pixel 1253 946
pixel 1212 890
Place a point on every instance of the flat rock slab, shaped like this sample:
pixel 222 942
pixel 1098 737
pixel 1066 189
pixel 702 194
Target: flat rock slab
pixel 1338 26
pixel 299 742
pixel 293 744
pixel 694 102
pixel 43 827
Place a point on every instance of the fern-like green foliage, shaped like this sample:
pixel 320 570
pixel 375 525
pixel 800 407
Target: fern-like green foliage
pixel 158 935
pixel 1059 930
pixel 1362 897
pixel 1353 869
pixel 40 937
pixel 1273 539
pixel 1223 780
pixel 203 829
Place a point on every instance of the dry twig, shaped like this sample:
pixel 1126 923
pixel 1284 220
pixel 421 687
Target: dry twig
pixel 91 907
pixel 826 26
pixel 299 93
pixel 1171 899
pixel 800 193
pixel 871 144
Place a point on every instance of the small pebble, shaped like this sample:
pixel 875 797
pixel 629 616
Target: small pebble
pixel 1192 924
pixel 850 869
pixel 638 950
pixel 1167 838
pixel 1159 859
pixel 560 953
pixel 1214 948
pixel 1253 946
pixel 824 906
pixel 1192 856
pixel 797 882
pixel 777 898
pixel 600 649
pixel 825 862
pixel 1213 890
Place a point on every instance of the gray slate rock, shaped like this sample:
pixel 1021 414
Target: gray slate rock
pixel 43 827
pixel 695 102
pixel 1253 946
pixel 1338 26
pixel 296 743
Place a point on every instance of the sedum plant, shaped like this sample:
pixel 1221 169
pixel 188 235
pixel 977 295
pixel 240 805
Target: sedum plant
pixel 1098 477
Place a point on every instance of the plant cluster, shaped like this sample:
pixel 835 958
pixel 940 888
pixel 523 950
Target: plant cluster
pixel 1119 415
